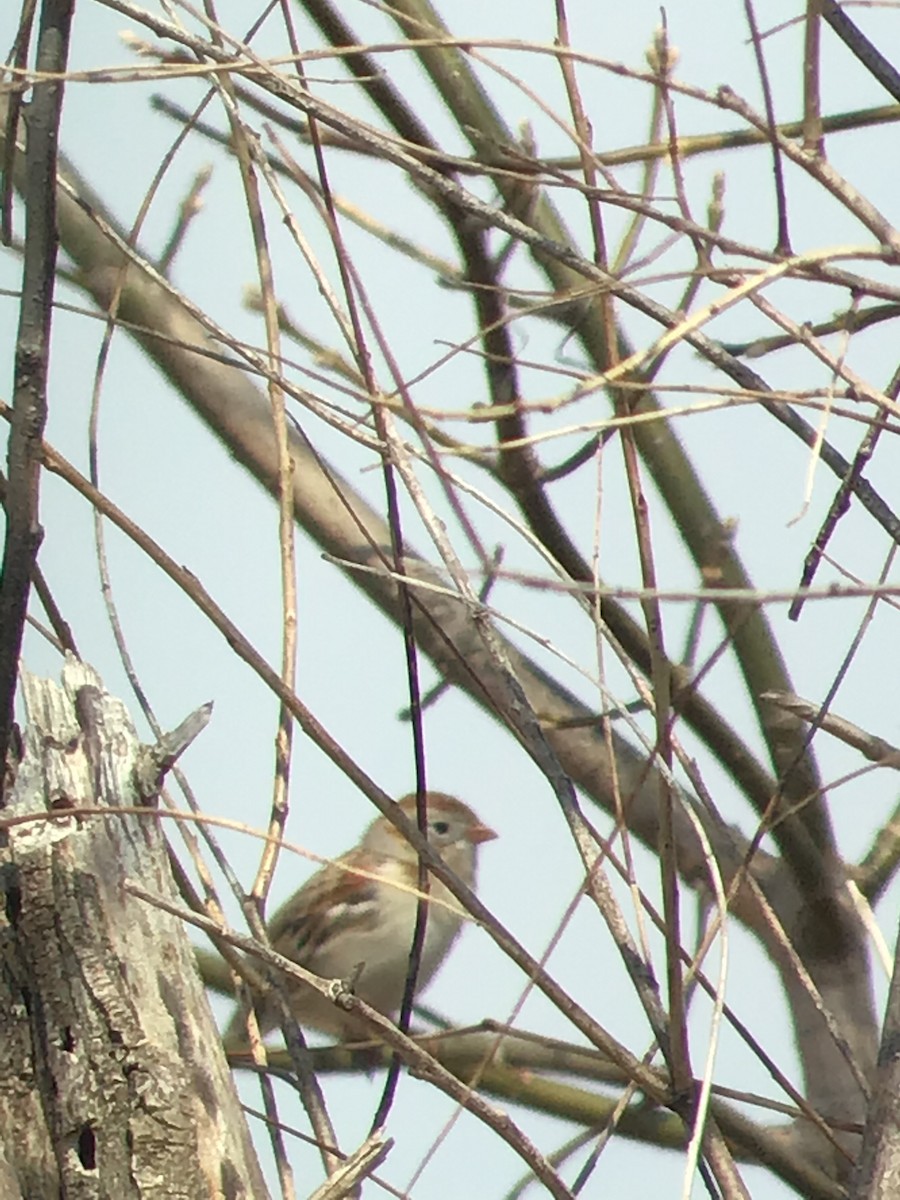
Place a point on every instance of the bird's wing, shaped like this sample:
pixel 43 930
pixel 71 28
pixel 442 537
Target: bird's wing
pixel 335 897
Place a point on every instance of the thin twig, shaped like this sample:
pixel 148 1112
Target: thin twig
pixel 870 57
pixel 870 745
pixel 840 504
pixel 32 357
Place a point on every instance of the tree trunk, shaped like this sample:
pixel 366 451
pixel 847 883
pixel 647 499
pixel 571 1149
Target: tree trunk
pixel 112 1078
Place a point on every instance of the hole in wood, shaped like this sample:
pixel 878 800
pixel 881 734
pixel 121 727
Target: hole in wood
pixel 87 1148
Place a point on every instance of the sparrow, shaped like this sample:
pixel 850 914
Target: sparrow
pixel 354 919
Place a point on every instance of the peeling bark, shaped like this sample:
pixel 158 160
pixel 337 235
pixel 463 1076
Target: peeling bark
pixel 112 1078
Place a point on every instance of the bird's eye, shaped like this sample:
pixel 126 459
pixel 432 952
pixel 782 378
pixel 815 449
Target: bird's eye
pixel 441 827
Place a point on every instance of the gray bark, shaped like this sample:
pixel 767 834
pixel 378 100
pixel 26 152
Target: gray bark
pixel 112 1078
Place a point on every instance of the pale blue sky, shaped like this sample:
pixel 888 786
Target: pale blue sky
pixel 162 467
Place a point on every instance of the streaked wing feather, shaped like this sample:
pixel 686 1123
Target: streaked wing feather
pixel 331 900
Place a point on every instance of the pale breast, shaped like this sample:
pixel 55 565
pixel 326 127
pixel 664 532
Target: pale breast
pixel 380 950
